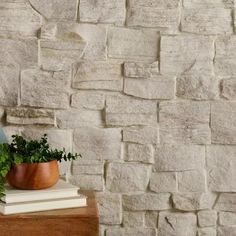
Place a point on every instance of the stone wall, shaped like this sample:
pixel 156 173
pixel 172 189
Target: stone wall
pixel 145 90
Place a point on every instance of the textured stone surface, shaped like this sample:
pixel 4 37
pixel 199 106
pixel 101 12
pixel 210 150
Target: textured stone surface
pixel 75 118
pixel 147 201
pixel 184 122
pixel 207 21
pixel 226 202
pixel 98 75
pixel 142 135
pixel 197 87
pixel 186 54
pixel 87 167
pixel 105 11
pixel 192 181
pixel 155 3
pixel 22 53
pixel 140 153
pixel 141 70
pixel 9 79
pixel 207 218
pixel 30 116
pixel 193 201
pixel 224 230
pixel 123 44
pixel 222 125
pixel 229 88
pixel 227 218
pixel 133 219
pixel 177 224
pixel 95 143
pixel 87 182
pixel 18 18
pixel 179 157
pixel 44 89
pixel 95 37
pixel 59 53
pixel 53 10
pixel 88 100
pixel 158 88
pixel 124 110
pixel 207 232
pixel 221 178
pixel 126 177
pixel 151 219
pixel 154 17
pixel 163 182
pixel 127 231
pixel 208 3
pixel 225 56
pixel 110 208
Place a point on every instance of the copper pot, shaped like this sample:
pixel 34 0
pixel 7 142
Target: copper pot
pixel 33 176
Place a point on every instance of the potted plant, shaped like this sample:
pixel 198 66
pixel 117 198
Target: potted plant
pixel 30 164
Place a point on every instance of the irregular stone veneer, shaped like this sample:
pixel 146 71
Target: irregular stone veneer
pixel 145 90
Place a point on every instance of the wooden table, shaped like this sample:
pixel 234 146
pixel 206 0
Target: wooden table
pixel 70 222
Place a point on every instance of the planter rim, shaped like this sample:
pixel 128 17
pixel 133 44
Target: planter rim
pixel 37 163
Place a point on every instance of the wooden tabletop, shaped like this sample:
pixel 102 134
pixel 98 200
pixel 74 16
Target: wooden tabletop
pixel 83 221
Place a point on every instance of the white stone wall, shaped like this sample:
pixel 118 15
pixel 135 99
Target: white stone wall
pixel 145 90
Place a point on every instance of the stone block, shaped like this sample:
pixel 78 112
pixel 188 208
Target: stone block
pixel 127 177
pixel 193 201
pixel 207 232
pixel 21 53
pixel 87 168
pixel 222 125
pixel 163 182
pixel 142 135
pixel 123 44
pixel 226 202
pixel 229 88
pixel 53 10
pixel 95 36
pixel 110 208
pixel 184 224
pixel 226 230
pixel 151 219
pixel 133 219
pixel 139 153
pixel 179 157
pixel 18 19
pixel 158 88
pixel 88 182
pixel 141 70
pixel 227 218
pixel 197 87
pixel 98 75
pixel 186 54
pixel 207 218
pixel 29 116
pixel 221 166
pixel 75 118
pixel 44 89
pixel 98 144
pixel 208 21
pixel 126 111
pixel 184 122
pixel 105 11
pixel 155 3
pixel 147 202
pixel 166 20
pixel 225 56
pixel 208 4
pixel 9 79
pixel 88 100
pixel 192 181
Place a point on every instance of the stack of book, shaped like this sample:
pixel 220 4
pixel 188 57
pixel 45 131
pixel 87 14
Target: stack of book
pixel 61 196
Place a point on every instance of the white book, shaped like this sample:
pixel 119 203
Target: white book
pixel 26 207
pixel 61 189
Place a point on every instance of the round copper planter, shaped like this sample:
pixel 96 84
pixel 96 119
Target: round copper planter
pixel 33 176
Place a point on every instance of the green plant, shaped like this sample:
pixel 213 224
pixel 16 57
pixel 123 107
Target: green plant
pixel 28 151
